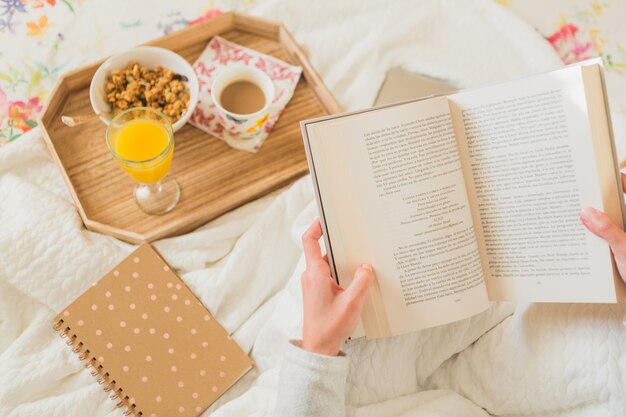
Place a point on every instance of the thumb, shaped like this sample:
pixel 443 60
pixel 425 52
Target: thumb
pixel 600 225
pixel 361 283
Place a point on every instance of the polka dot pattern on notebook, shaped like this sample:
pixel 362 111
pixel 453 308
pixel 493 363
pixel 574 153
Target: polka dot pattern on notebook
pixel 142 324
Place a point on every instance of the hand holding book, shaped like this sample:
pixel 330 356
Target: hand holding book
pixel 330 313
pixel 602 226
pixel 320 291
pixel 461 199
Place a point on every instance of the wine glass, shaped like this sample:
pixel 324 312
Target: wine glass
pixel 141 141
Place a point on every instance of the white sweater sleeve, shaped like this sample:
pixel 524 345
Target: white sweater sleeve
pixel 311 385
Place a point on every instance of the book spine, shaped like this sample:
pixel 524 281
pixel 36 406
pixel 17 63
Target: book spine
pixel 97 370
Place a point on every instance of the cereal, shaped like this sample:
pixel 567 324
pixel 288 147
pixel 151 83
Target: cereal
pixel 138 86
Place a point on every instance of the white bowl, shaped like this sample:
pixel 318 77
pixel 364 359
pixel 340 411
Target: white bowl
pixel 150 57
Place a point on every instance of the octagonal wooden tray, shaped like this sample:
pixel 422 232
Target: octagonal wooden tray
pixel 214 178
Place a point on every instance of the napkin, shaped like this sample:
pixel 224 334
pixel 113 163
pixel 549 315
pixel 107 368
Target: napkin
pixel 220 53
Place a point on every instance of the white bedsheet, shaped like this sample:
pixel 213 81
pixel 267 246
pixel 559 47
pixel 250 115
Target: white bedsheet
pixel 542 360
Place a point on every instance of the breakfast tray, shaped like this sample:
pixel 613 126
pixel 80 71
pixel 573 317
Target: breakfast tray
pixel 214 178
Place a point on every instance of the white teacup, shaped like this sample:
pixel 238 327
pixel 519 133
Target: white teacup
pixel 237 125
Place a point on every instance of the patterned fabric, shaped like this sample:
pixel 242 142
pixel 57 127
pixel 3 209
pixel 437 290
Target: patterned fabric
pixel 41 39
pixel 218 53
pixel 583 29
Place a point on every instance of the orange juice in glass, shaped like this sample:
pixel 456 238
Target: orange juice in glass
pixel 141 141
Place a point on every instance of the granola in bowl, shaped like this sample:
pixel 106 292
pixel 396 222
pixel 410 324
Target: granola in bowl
pixel 145 76
pixel 139 86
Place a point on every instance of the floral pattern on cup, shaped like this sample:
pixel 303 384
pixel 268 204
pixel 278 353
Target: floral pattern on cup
pixel 252 131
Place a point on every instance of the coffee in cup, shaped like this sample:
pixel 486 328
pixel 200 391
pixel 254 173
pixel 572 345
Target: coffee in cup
pixel 242 96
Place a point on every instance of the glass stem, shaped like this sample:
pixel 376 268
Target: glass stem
pixel 154 187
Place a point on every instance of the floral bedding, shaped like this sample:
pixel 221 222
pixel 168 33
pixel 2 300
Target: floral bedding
pixel 41 39
pixel 583 29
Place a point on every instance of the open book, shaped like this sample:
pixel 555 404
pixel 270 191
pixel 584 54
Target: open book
pixel 460 199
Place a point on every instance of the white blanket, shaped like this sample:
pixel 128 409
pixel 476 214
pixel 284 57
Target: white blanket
pixel 541 360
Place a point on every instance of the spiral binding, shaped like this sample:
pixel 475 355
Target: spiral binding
pixel 97 370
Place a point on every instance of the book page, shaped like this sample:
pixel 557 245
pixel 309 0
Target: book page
pixel 528 157
pixel 393 195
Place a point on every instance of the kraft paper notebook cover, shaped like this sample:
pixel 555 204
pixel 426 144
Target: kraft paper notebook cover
pixel 400 85
pixel 150 341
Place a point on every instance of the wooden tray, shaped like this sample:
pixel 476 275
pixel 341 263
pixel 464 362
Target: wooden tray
pixel 214 178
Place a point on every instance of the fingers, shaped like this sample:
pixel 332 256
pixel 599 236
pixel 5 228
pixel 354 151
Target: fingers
pixel 360 285
pixel 311 245
pixel 600 225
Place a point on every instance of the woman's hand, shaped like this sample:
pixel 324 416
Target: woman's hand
pixel 600 225
pixel 330 313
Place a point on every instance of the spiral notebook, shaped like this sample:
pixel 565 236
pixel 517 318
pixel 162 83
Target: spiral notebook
pixel 150 341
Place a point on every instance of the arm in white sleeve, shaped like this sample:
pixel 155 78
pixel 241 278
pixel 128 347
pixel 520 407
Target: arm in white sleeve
pixel 311 385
